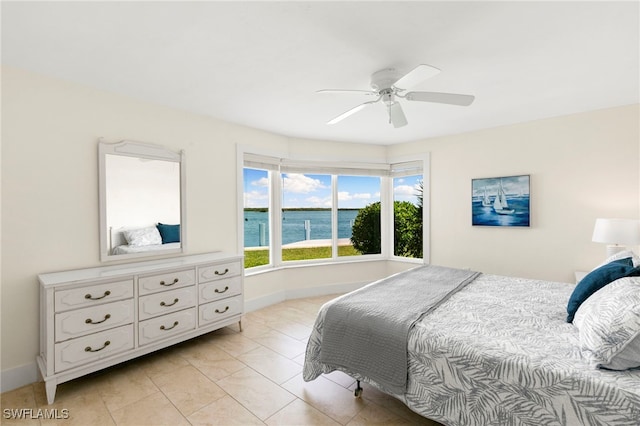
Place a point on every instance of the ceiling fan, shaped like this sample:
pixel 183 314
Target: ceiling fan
pixel 388 86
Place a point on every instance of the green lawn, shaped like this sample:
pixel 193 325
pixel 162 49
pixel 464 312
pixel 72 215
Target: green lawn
pixel 261 257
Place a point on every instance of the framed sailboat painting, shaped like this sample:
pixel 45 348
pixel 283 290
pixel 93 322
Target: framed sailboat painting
pixel 500 201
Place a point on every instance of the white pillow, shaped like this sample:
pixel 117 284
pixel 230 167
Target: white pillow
pixel 142 236
pixel 622 255
pixel 609 324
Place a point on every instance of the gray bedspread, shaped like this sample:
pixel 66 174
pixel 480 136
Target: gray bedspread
pixel 366 331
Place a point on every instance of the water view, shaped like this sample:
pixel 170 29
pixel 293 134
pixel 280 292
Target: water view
pixel 297 225
pixel 518 215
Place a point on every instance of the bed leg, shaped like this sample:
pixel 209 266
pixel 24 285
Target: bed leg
pixel 358 392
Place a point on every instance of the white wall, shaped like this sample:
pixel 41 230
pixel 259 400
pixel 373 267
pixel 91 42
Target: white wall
pixel 582 167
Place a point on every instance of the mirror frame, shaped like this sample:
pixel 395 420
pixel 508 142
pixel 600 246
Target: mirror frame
pixel 139 150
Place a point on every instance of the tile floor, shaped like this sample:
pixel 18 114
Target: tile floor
pixel 222 378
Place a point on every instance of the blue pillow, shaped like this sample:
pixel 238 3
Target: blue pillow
pixel 597 279
pixel 169 233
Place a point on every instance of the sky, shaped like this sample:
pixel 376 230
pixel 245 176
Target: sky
pixel 309 190
pixel 512 185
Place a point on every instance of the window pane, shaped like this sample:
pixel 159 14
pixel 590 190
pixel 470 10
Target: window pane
pixel 407 216
pixel 358 215
pixel 256 217
pixel 306 216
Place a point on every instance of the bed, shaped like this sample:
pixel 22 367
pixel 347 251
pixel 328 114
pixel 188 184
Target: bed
pixel 496 351
pixel 140 239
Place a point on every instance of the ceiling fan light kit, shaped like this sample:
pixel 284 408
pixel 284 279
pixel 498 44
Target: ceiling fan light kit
pixel 384 79
pixel 388 85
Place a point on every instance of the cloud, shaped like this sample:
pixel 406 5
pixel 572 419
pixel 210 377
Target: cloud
pixel 347 196
pixel 319 202
pixel 344 196
pixel 407 193
pixel 256 199
pixel 362 196
pixel 405 190
pixel 262 182
pixel 301 184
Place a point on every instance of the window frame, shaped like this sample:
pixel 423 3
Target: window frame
pixel 277 165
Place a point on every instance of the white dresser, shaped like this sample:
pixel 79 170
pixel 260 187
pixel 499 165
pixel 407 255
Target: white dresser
pixel 93 318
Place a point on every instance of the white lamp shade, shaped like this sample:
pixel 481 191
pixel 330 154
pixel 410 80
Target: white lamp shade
pixel 617 231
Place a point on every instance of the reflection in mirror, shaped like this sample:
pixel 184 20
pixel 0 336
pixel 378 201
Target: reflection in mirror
pixel 141 200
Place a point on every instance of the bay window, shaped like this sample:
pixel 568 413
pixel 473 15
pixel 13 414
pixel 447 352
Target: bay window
pixel 309 211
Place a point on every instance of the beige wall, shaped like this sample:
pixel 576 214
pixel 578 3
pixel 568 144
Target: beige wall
pixel 582 167
pixel 50 131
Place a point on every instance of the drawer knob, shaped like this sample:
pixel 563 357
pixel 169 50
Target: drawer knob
pixel 223 272
pixel 170 304
pixel 88 348
pixel 222 312
pixel 175 280
pixel 162 327
pixel 222 291
pixel 90 321
pixel 88 296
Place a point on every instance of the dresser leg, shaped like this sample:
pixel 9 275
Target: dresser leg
pixel 240 325
pixel 50 387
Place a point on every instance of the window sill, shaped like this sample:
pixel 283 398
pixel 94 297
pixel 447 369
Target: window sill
pixel 258 270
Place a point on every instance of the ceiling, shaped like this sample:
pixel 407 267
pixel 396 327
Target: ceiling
pixel 259 64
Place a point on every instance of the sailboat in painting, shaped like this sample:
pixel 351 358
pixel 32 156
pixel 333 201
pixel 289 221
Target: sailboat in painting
pixel 500 204
pixel 486 201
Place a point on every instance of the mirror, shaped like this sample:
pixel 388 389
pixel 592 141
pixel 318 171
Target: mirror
pixel 142 200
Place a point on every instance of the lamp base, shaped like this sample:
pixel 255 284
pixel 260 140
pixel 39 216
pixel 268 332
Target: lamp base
pixel 614 249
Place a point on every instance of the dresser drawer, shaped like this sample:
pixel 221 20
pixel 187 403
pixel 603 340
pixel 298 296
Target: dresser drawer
pixel 166 281
pixel 215 311
pixel 91 295
pixel 77 323
pixel 220 289
pixel 219 271
pixel 83 350
pixel 166 302
pixel 166 326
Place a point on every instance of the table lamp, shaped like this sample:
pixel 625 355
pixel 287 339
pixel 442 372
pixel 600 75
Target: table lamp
pixel 616 233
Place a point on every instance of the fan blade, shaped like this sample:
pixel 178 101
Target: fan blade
pixel 351 112
pixel 396 115
pixel 358 92
pixel 416 76
pixel 441 98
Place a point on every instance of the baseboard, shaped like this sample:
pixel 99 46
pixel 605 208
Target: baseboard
pixel 264 301
pixel 17 377
pixel 298 293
